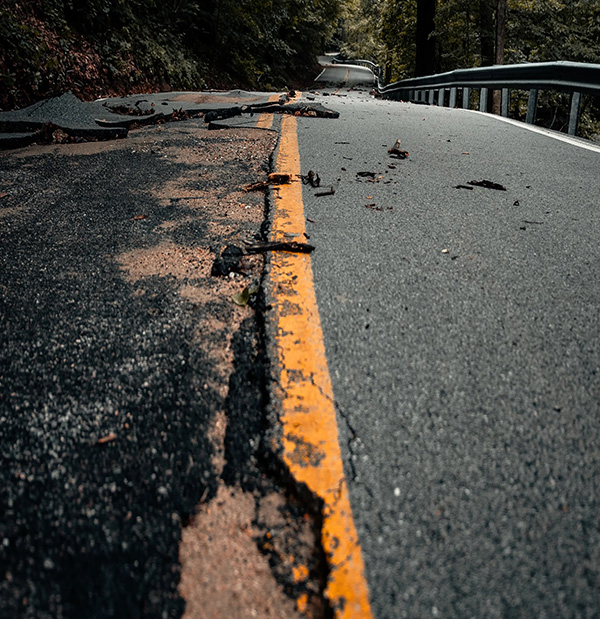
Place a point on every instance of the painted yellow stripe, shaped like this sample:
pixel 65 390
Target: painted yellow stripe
pixel 265 121
pixel 344 82
pixel 310 433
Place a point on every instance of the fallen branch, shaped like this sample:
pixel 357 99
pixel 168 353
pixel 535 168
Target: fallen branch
pixel 291 246
pixel 329 192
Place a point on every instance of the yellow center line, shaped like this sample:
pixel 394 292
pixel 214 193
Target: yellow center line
pixel 265 121
pixel 311 448
pixel 344 82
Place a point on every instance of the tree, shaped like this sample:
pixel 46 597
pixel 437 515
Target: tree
pixel 426 61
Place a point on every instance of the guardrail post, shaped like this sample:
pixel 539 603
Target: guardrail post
pixel 505 104
pixel 483 100
pixel 531 106
pixel 466 98
pixel 453 92
pixel 575 112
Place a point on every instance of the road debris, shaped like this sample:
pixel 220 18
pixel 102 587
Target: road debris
pixel 374 207
pixel 464 187
pixel 328 192
pixel 397 152
pixel 228 262
pixel 366 174
pixel 109 438
pixel 139 217
pixel 291 246
pixel 273 179
pixel 242 298
pixel 311 179
pixel 488 185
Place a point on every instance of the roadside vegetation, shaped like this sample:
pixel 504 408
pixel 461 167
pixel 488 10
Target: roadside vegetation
pixel 409 38
pixel 101 47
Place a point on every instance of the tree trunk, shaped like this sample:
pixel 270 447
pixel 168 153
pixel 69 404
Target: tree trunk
pixel 500 30
pixel 486 29
pixel 500 42
pixel 425 61
pixel 486 23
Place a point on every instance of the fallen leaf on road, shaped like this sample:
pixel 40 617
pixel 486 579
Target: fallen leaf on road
pixel 3 194
pixel 139 217
pixel 273 179
pixel 366 174
pixel 242 298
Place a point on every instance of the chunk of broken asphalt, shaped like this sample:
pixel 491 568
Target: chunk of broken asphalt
pixel 73 116
pixel 228 262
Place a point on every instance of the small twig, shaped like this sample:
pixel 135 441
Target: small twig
pixel 329 192
pixel 488 185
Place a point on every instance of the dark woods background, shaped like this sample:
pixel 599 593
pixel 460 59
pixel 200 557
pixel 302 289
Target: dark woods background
pixel 96 47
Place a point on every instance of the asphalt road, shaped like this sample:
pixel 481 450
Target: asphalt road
pixel 463 339
pixel 131 401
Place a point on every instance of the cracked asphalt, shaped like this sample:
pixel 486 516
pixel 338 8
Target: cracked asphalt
pixel 132 386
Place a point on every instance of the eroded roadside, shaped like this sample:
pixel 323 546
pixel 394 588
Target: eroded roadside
pixel 134 478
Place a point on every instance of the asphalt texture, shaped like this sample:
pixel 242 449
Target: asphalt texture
pixel 107 387
pixel 462 328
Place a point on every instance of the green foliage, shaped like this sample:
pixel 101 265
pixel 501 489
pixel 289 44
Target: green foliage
pixel 183 44
pixel 360 38
pixel 537 30
pixel 398 28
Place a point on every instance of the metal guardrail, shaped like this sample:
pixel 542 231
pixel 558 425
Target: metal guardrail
pixel 569 77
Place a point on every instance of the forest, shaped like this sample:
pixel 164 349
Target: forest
pixel 458 34
pixel 102 47
pixel 99 47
